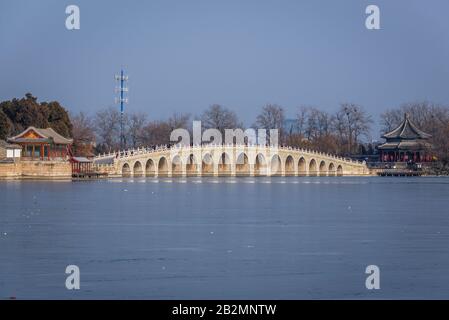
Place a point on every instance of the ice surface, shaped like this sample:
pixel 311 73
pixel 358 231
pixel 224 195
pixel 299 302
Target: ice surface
pixel 236 238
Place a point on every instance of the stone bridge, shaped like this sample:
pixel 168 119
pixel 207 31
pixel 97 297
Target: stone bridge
pixel 226 160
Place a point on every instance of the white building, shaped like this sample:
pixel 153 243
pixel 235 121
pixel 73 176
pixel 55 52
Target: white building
pixel 10 151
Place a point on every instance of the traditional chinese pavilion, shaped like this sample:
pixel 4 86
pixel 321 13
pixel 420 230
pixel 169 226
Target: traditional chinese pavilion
pixel 81 165
pixel 406 143
pixel 42 144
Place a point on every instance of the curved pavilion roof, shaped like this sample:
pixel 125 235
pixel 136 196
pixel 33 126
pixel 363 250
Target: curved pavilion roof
pixel 40 135
pixel 407 130
pixel 406 137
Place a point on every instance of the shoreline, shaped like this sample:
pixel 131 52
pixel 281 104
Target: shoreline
pixel 67 179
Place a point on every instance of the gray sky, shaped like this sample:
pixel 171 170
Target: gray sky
pixel 185 55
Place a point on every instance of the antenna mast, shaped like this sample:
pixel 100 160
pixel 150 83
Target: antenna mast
pixel 121 89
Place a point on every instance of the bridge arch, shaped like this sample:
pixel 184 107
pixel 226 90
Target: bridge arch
pixel 137 169
pixel 191 165
pixel 323 169
pixel 242 164
pixel 313 170
pixel 176 166
pixel 224 164
pixel 162 167
pixel 207 164
pixel 276 165
pixel 126 170
pixel 332 170
pixel 150 168
pixel 302 167
pixel 289 166
pixel 339 171
pixel 260 165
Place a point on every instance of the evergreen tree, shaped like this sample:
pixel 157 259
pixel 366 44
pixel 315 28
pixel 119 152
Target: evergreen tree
pixel 27 111
pixel 5 126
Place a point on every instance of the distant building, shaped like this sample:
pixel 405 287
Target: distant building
pixel 42 144
pixel 9 151
pixel 406 143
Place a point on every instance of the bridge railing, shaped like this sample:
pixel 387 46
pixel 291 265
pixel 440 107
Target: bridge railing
pixel 123 154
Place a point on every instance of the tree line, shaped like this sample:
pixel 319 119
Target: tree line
pixel 340 133
pixel 344 132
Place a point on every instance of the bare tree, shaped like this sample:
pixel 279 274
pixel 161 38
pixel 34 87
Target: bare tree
pixel 390 119
pixel 352 122
pixel 179 120
pixel 317 130
pixel 156 133
pixel 83 134
pixel 301 119
pixel 135 124
pixel 318 124
pixel 107 128
pixel 271 117
pixel 427 116
pixel 220 118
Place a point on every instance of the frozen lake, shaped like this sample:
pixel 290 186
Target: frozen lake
pixel 225 238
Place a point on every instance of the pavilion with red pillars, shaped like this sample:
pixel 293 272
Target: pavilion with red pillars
pixel 43 144
pixel 406 143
